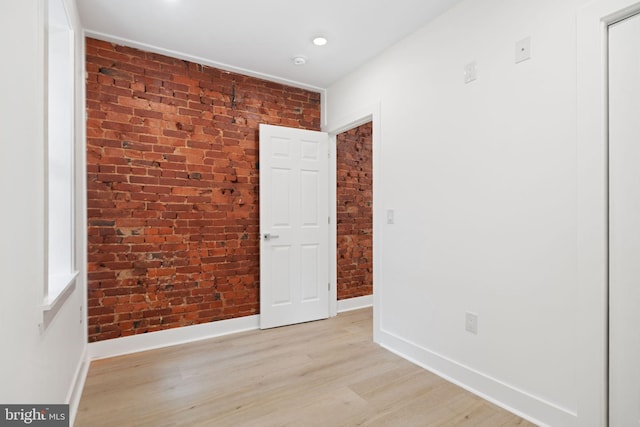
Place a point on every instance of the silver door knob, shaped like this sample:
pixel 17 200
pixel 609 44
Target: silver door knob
pixel 269 236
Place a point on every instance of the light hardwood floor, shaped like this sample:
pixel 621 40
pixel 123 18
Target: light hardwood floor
pixel 327 373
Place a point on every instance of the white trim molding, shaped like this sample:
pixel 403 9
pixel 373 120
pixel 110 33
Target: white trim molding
pixel 356 303
pixel 199 60
pixel 592 161
pixel 482 385
pixel 187 334
pixel 51 306
pixel 75 393
pixel 370 113
pixel 169 337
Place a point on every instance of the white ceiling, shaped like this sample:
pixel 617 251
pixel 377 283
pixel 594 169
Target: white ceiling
pixel 261 37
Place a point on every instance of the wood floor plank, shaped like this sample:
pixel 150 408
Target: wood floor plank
pixel 326 373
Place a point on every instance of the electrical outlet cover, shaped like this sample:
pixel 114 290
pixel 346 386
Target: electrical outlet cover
pixel 523 50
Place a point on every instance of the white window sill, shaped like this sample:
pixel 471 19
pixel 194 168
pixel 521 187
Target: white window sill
pixel 65 285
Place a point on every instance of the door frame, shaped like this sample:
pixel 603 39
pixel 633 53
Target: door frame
pixel 368 114
pixel 621 273
pixel 593 204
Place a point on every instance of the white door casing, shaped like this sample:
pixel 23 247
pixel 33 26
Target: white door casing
pixel 294 226
pixel 624 222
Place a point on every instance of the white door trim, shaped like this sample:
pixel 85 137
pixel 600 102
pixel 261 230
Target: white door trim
pixel 592 244
pixel 368 114
pixel 624 228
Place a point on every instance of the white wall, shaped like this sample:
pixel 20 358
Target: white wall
pixel 37 364
pixel 483 181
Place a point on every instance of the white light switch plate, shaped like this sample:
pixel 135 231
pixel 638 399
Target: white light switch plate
pixel 390 216
pixel 471 322
pixel 470 72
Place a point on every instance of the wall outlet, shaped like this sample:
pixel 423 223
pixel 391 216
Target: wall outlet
pixel 523 50
pixel 471 322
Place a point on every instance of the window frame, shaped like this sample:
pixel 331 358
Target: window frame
pixel 60 268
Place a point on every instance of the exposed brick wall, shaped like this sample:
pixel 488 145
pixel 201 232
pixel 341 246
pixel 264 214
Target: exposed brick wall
pixel 172 152
pixel 355 215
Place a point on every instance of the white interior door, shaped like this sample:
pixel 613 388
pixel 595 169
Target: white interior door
pixel 294 229
pixel 624 223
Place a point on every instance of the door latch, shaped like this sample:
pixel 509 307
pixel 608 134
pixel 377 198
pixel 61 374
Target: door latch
pixel 269 236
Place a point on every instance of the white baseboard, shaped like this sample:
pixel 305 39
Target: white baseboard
pixel 519 402
pixel 169 337
pixel 143 342
pixel 75 393
pixel 355 303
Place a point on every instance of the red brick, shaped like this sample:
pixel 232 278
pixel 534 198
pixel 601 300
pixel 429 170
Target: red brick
pixel 354 209
pixel 170 244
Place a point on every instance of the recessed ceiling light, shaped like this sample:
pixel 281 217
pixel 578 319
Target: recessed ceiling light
pixel 299 60
pixel 319 41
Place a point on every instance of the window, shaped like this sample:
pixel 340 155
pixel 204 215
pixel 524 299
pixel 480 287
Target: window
pixel 60 153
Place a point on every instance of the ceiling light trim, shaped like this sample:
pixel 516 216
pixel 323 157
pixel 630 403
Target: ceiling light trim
pixel 320 41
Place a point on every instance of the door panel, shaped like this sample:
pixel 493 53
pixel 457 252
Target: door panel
pixel 294 212
pixel 309 194
pixel 310 260
pixel 281 265
pixel 280 198
pixel 624 223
